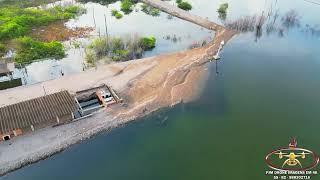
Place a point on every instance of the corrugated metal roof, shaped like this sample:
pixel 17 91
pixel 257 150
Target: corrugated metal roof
pixel 35 111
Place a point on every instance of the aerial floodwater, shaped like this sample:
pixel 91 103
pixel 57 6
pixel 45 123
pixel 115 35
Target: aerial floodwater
pixel 263 91
pixel 172 35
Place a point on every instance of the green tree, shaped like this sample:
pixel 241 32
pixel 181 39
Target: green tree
pixel 222 11
pixel 184 5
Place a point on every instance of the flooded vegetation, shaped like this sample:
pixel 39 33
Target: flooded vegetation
pixel 268 79
pixel 18 24
pixel 118 49
pixel 96 19
pixel 270 23
pixel 101 17
pixel 28 49
pixel 150 10
pixel 222 10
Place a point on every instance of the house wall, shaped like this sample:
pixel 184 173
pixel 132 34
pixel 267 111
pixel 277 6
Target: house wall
pixel 62 119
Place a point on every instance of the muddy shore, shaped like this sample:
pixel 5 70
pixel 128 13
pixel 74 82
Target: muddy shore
pixel 146 85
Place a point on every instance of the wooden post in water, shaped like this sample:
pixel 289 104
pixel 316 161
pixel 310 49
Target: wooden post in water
pixel 105 24
pixel 94 19
pixel 217 72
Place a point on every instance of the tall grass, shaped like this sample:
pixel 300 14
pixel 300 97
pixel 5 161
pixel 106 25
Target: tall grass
pixel 119 49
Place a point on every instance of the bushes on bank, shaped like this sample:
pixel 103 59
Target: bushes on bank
pixel 184 5
pixel 28 49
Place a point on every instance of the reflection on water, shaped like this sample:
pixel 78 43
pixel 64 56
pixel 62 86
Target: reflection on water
pixel 269 17
pixel 182 34
pixel 271 23
pixel 265 93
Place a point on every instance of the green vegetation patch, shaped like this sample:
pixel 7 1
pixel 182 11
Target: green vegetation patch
pixel 222 10
pixel 10 84
pixel 16 22
pixel 147 43
pixel 28 50
pixel 126 6
pixel 116 14
pixel 150 10
pixel 119 49
pixel 184 5
pixel 2 50
pixel 102 2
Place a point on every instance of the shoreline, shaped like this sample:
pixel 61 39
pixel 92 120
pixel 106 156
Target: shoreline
pixel 38 148
pixel 146 85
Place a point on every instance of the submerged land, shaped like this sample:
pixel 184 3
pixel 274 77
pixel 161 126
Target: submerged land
pixel 146 85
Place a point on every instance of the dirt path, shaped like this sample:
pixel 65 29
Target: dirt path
pixel 177 12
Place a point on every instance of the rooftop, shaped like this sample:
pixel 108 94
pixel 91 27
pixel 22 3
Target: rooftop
pixel 36 111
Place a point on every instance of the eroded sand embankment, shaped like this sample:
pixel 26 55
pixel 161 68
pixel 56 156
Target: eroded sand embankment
pixel 146 85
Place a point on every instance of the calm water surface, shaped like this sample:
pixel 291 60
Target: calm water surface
pixel 136 23
pixel 266 91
